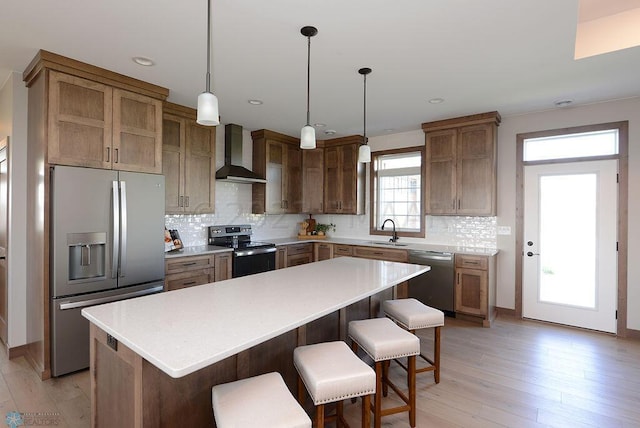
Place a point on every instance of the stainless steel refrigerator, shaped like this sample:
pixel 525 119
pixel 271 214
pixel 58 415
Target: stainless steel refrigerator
pixel 107 244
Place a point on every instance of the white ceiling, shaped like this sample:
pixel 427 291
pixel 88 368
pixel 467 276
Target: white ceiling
pixel 511 56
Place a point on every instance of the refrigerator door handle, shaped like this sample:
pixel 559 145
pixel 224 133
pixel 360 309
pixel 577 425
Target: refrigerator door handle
pixel 123 228
pixel 115 250
pixel 101 300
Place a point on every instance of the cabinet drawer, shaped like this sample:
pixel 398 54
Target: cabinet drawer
pixel 342 250
pixel 472 262
pixel 183 264
pixel 299 259
pixel 380 254
pixel 299 249
pixel 188 279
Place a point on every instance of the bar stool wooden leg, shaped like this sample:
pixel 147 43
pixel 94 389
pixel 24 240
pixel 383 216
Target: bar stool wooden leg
pixel 301 391
pixel 320 415
pixel 436 354
pixel 385 378
pixel 411 381
pixel 377 414
pixel 366 411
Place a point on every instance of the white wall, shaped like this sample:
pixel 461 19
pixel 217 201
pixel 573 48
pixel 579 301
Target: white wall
pixel 13 123
pixel 614 111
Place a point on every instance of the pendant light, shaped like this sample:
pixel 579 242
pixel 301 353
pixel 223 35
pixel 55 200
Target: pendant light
pixel 364 152
pixel 207 102
pixel 308 133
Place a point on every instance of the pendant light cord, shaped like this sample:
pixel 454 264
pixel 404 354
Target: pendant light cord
pixel 365 110
pixel 308 77
pixel 208 84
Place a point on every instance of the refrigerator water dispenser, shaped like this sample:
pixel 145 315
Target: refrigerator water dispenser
pixel 87 255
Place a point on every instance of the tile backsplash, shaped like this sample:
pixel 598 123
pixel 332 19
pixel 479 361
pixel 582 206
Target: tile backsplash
pixel 233 206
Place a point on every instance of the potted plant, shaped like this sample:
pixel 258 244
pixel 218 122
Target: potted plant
pixel 322 229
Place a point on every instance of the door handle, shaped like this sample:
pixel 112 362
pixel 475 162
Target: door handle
pixel 530 254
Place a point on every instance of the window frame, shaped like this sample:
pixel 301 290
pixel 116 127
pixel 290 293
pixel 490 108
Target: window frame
pixel 373 177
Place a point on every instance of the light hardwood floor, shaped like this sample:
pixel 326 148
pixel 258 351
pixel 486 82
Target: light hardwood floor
pixel 514 374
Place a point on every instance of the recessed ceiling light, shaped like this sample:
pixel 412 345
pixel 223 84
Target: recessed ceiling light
pixel 329 132
pixel 143 61
pixel 255 102
pixel 436 100
pixel 389 130
pixel 563 103
pixel 319 125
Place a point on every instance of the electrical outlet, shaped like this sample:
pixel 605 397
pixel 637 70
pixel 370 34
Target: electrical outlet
pixel 112 342
pixel 504 230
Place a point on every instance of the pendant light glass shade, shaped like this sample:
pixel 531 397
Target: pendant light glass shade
pixel 364 152
pixel 308 137
pixel 207 102
pixel 208 109
pixel 308 132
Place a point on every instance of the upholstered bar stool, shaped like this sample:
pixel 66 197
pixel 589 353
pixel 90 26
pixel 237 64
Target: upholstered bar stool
pixel 413 315
pixel 331 372
pixel 261 401
pixel 384 341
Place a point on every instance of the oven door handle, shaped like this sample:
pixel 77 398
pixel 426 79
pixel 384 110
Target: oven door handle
pixel 254 251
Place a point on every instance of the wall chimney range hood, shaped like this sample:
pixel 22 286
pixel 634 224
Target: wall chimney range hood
pixel 233 170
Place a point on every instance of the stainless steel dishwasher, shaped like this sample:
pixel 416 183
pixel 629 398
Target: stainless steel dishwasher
pixel 436 287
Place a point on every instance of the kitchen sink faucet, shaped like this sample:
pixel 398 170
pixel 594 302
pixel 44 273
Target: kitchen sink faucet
pixel 394 237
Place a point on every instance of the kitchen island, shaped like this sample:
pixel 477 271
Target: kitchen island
pixel 155 359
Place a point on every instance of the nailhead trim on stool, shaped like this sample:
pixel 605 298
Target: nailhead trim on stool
pixel 332 372
pixel 414 315
pixel 262 401
pixel 384 341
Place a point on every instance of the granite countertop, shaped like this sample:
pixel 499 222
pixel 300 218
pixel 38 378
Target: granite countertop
pixel 379 243
pixel 382 243
pixel 185 330
pixel 196 251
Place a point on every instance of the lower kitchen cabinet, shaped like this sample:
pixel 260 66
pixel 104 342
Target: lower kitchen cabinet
pixel 299 254
pixel 342 250
pixel 223 266
pixel 389 254
pixel 189 271
pixel 475 288
pixel 281 257
pixel 322 251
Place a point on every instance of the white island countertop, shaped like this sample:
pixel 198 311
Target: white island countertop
pixel 186 330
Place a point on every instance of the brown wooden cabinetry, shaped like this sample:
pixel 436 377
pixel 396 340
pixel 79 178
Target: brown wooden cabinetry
pixel 343 176
pixel 390 254
pixel 475 287
pixel 322 251
pixel 342 250
pixel 188 162
pixel 278 159
pixel 461 165
pixel 95 125
pixel 313 181
pixel 223 266
pixel 79 115
pixel 189 271
pixel 299 254
pixel 281 257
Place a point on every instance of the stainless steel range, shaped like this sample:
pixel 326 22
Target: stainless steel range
pixel 249 256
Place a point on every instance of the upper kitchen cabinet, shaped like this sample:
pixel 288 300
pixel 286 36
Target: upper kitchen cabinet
pixel 461 165
pixel 313 180
pixel 278 159
pixel 344 176
pixel 188 162
pixel 94 117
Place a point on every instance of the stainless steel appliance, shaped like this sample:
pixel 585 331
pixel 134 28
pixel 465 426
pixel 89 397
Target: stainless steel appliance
pixel 107 244
pixel 435 288
pixel 249 256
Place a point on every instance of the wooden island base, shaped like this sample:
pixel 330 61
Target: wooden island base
pixel 128 391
